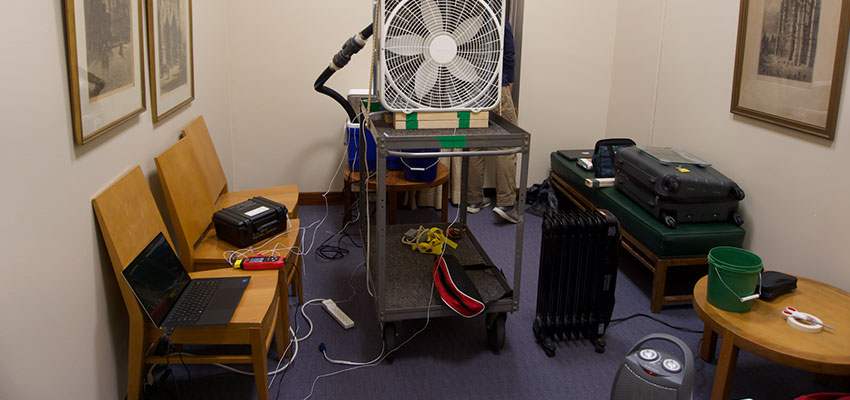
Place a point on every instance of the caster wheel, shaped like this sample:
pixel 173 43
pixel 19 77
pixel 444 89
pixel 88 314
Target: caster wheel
pixel 737 219
pixel 599 345
pixel 496 331
pixel 670 222
pixel 389 340
pixel 738 193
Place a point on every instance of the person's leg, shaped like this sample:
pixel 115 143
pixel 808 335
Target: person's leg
pixel 506 165
pixel 475 185
pixel 506 180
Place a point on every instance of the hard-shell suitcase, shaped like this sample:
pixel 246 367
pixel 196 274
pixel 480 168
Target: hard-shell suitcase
pixel 578 274
pixel 677 193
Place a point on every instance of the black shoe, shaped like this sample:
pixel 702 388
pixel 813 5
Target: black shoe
pixel 474 208
pixel 507 213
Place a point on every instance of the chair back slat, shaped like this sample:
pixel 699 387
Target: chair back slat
pixel 204 149
pixel 190 207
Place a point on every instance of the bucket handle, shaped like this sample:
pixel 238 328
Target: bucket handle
pixel 741 299
pixel 418 168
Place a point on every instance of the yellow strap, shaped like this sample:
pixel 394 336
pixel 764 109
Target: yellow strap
pixel 434 242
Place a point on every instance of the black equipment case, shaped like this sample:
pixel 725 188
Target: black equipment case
pixel 676 193
pixel 250 221
pixel 578 273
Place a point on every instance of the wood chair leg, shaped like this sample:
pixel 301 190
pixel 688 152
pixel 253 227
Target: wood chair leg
pixel 281 328
pixel 392 205
pixel 135 363
pixel 658 282
pixel 444 213
pixel 261 365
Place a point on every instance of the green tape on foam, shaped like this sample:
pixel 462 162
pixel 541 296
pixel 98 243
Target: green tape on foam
pixel 452 142
pixel 463 119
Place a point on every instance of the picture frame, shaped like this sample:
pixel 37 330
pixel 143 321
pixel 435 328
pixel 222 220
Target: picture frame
pixel 105 64
pixel 170 56
pixel 789 63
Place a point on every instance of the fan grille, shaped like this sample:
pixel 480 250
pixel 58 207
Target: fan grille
pixel 441 54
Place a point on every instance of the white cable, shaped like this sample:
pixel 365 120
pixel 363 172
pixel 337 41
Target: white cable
pixel 357 365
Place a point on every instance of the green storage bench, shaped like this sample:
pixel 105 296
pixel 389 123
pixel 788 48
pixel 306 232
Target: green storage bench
pixel 650 241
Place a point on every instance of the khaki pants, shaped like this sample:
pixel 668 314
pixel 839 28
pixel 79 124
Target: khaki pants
pixel 505 165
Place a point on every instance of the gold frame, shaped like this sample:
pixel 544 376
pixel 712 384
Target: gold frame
pixel 81 137
pixel 152 62
pixel 826 131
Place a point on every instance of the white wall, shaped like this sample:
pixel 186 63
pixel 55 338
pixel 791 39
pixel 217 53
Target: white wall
pixel 64 326
pixel 567 56
pixel 797 185
pixel 285 132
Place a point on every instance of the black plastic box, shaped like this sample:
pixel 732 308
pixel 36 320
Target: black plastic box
pixel 250 221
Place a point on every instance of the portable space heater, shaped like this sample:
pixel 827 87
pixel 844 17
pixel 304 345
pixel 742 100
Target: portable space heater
pixel 654 374
pixel 437 55
pixel 578 274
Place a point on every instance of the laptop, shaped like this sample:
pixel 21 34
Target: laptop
pixel 171 298
pixel 576 154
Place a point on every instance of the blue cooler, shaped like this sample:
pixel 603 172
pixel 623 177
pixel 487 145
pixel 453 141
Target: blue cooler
pixel 352 134
pixel 420 169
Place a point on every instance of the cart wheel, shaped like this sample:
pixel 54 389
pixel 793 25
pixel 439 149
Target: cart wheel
pixel 670 222
pixel 389 340
pixel 737 219
pixel 496 331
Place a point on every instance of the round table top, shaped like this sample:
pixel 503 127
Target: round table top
pixel 396 181
pixel 763 330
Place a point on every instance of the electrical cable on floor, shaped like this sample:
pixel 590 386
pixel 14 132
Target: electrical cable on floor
pixel 678 328
pixel 357 365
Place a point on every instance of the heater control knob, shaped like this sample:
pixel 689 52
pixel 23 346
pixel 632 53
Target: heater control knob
pixel 648 354
pixel 671 365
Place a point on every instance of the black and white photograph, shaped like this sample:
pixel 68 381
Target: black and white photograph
pixel 789 39
pixel 172 45
pixel 789 63
pixel 170 53
pixel 105 67
pixel 109 37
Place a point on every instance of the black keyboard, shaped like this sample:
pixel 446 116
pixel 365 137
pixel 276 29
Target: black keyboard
pixel 193 302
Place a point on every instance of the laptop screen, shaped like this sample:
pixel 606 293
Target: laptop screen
pixel 157 278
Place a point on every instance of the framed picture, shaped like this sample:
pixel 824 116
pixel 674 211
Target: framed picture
pixel 105 67
pixel 789 64
pixel 170 54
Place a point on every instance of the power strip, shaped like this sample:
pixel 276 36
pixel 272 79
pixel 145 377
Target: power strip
pixel 332 309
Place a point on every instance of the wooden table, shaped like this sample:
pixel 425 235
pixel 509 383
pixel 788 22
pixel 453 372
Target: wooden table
pixel 763 331
pixel 396 183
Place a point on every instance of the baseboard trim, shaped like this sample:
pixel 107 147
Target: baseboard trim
pixel 316 198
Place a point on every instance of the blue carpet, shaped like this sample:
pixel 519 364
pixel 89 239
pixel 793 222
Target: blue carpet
pixel 451 359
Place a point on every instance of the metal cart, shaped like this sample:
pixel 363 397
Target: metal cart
pixel 401 279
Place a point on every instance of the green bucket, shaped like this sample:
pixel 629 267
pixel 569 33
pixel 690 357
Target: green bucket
pixel 732 275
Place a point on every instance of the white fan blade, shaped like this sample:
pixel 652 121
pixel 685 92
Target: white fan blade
pixel 468 29
pixel 426 78
pixel 462 69
pixel 431 16
pixel 406 45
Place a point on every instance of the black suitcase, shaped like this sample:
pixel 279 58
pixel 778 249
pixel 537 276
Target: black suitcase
pixel 250 221
pixel 578 275
pixel 677 193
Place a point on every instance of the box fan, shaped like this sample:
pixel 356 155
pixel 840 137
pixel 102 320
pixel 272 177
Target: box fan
pixel 440 55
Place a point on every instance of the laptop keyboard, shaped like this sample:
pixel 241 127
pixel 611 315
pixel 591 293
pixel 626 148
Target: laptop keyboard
pixel 193 302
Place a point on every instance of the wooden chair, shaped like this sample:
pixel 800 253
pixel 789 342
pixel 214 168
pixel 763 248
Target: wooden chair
pixel 213 174
pixel 191 209
pixel 129 220
pixel 208 254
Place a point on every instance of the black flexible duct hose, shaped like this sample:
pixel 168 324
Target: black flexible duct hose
pixel 340 60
